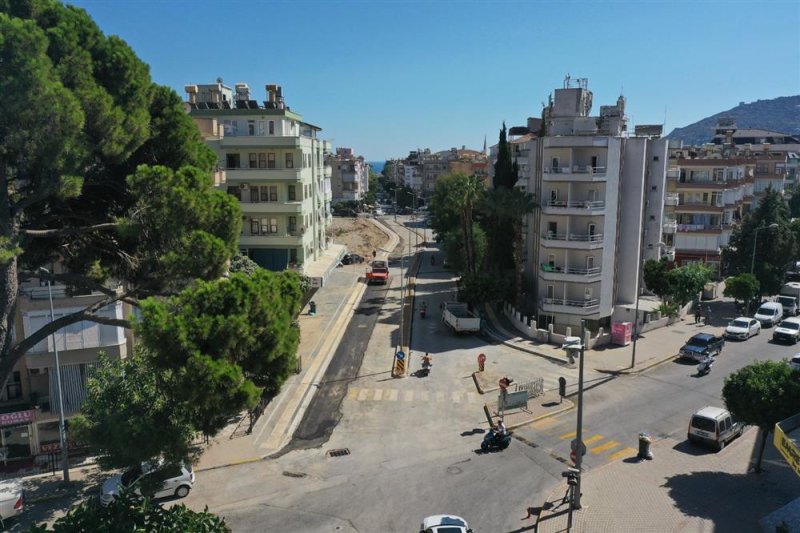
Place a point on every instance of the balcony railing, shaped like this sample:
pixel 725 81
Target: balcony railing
pixel 671 199
pixel 584 271
pixel 669 226
pixel 577 204
pixel 580 237
pixel 583 304
pixel 576 169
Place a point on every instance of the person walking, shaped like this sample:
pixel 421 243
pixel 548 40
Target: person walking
pixel 708 315
pixel 697 312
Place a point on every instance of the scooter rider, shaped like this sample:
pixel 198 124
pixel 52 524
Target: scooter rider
pixel 501 429
pixel 427 360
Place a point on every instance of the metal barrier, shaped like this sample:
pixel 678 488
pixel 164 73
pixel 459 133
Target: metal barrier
pixel 533 388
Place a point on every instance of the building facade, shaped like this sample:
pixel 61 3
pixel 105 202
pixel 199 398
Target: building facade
pixel 274 164
pixel 350 175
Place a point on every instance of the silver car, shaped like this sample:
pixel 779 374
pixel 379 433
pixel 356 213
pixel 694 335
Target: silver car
pixel 169 480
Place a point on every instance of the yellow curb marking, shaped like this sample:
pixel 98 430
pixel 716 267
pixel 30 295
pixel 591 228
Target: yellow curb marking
pixel 362 395
pixel 570 435
pixel 593 438
pixel 352 394
pixel 603 447
pixel 378 395
pixel 408 396
pixel 393 395
pixel 622 453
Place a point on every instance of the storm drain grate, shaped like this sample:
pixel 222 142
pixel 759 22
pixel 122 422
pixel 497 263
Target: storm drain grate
pixel 294 474
pixel 338 453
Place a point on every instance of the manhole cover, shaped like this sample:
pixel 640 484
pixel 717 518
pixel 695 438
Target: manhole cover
pixel 338 453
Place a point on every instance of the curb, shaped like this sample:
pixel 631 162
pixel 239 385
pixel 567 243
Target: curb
pixel 493 319
pixel 638 370
pixel 481 390
pixel 569 406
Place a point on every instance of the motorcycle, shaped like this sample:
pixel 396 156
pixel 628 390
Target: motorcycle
pixel 705 366
pixel 494 441
pixel 426 367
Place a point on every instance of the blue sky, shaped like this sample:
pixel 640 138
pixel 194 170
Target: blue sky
pixel 385 77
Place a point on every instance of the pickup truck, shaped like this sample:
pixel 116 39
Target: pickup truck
pixel 378 273
pixel 702 345
pixel 457 316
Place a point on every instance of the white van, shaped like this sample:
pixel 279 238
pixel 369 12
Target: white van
pixel 787 331
pixel 789 304
pixel 769 314
pixel 715 426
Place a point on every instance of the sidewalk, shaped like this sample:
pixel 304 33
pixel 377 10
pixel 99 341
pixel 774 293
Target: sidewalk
pixel 684 488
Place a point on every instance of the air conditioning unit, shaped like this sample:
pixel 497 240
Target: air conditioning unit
pixel 33 371
pixel 244 185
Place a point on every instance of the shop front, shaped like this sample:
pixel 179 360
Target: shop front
pixel 16 435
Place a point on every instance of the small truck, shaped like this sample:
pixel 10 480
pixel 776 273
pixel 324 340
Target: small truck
pixel 378 273
pixel 457 316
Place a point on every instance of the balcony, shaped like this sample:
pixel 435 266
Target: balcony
pixel 669 226
pixel 252 141
pixel 271 207
pixel 579 241
pixel 574 173
pixel 580 207
pixel 246 175
pixel 559 273
pixel 701 207
pixel 671 199
pixel 707 228
pixel 574 307
pixel 286 238
pixel 673 174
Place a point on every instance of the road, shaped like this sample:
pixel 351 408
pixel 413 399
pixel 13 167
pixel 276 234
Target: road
pixel 408 448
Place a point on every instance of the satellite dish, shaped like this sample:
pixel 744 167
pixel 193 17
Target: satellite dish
pixel 187 107
pixel 219 79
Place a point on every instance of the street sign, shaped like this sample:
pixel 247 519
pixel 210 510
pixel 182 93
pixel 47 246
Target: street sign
pixel 400 355
pixel 573 457
pixel 573 445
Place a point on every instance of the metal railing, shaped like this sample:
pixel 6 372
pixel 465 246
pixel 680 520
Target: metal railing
pixel 576 169
pixel 584 304
pixel 577 204
pixel 588 237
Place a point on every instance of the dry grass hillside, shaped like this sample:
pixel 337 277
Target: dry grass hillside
pixel 359 235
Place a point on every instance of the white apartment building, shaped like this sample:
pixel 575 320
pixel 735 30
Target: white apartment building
pixel 350 175
pixel 274 163
pixel 601 196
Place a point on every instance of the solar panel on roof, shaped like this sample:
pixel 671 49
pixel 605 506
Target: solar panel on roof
pixel 213 105
pixel 226 104
pixel 241 104
pixel 202 105
pixel 252 104
pixel 192 105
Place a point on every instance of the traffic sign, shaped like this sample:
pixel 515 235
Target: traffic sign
pixel 481 361
pixel 400 355
pixel 573 456
pixel 573 445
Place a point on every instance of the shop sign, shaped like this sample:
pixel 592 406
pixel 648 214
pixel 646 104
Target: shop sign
pixel 20 417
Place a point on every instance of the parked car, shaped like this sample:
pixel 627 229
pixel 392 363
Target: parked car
pixel 701 346
pixel 444 523
pixel 352 259
pixel 769 314
pixel 12 499
pixel 713 425
pixel 742 328
pixel 164 479
pixel 789 304
pixel 787 331
pixel 795 362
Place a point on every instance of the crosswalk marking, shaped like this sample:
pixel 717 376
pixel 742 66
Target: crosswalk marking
pixel 363 395
pixel 604 447
pixel 424 397
pixel 408 396
pixel 593 438
pixel 352 394
pixel 625 452
pixel 570 435
pixel 378 395
pixel 392 395
pixel 439 396
pixel 456 397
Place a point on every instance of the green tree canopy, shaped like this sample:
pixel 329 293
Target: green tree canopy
pixel 78 119
pixel 762 394
pixel 656 279
pixel 687 281
pixel 455 251
pixel 505 171
pixel 743 288
pixel 130 416
pixel 130 513
pixel 445 216
pixel 775 247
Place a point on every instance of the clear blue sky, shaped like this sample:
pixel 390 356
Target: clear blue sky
pixel 385 77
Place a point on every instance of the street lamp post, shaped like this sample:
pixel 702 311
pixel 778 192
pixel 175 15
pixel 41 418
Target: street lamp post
pixel 576 498
pixel 755 246
pixel 62 432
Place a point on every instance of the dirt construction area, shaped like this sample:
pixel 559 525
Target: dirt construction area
pixel 360 235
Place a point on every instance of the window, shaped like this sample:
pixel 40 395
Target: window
pixel 253 158
pixel 292 224
pixel 251 127
pixel 551 292
pixel 14 387
pixel 273 193
pixel 269 225
pixel 232 160
pixel 289 161
pixel 654 188
pixel 262 160
pixel 264 194
pixel 655 158
pixel 272 127
pixel 270 160
pixel 253 194
pixel 254 226
pixel 292 193
pixel 261 128
pixel 236 192
pixel 293 255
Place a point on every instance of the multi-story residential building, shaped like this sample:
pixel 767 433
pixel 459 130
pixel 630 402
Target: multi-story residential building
pixel 275 166
pixel 706 197
pixel 601 194
pixel 29 401
pixel 350 175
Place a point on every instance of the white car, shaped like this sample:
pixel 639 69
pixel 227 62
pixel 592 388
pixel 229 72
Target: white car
pixel 12 499
pixel 795 362
pixel 444 523
pixel 742 328
pixel 170 480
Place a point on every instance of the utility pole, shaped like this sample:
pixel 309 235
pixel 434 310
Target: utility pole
pixel 576 500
